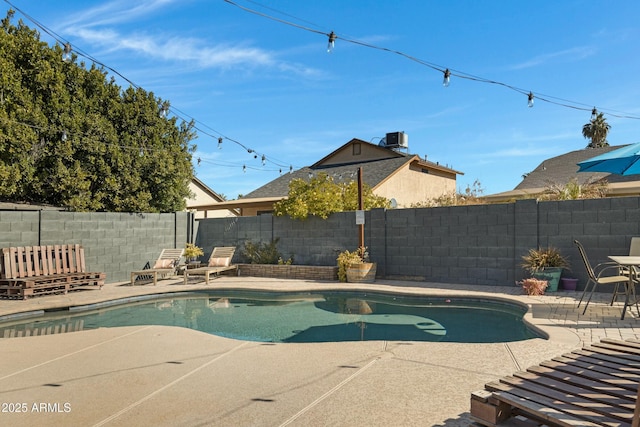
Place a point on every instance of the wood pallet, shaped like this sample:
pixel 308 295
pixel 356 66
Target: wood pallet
pixel 41 270
pixel 595 386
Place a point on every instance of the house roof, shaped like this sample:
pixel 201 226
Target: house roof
pixel 374 172
pixel 563 169
pixel 204 187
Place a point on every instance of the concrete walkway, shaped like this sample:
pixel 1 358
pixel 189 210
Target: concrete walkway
pixel 169 376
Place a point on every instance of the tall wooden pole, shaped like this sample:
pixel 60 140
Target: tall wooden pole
pixel 360 207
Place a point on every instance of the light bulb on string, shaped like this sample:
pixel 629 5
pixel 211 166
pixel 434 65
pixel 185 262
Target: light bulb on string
pixel 244 168
pixel 594 113
pixel 63 137
pixel 447 78
pixel 164 109
pixel 530 100
pixel 199 160
pixel 220 143
pixel 66 54
pixel 264 160
pixel 290 170
pixel 280 171
pixel 332 42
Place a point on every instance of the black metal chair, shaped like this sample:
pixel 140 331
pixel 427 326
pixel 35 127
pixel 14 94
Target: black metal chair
pixel 596 277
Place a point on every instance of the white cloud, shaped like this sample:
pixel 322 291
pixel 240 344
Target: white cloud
pixel 573 54
pixel 104 32
pixel 117 11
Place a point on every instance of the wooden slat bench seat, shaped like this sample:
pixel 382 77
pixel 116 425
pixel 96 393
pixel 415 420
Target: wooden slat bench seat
pixel 41 270
pixel 595 386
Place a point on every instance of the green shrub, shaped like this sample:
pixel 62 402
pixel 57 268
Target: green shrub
pixel 264 253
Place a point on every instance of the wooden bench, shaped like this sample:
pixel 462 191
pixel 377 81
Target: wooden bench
pixel 40 270
pixel 595 386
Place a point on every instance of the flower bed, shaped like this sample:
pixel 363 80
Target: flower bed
pixel 301 272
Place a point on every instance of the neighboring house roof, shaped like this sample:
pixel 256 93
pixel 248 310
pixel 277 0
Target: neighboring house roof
pixel 563 169
pixel 204 187
pixel 378 164
pixel 374 171
pixel 203 196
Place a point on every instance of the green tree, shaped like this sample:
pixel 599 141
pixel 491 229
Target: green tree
pixel 597 130
pixel 321 196
pixel 73 138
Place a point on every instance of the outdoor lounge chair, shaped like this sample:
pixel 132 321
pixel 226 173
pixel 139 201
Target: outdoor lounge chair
pixel 165 265
pixel 219 261
pixel 596 277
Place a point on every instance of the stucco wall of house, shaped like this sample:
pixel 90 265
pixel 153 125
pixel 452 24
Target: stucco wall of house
pixel 358 152
pixel 411 185
pixel 201 197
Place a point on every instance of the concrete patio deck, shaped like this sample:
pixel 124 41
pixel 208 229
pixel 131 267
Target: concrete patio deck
pixel 168 376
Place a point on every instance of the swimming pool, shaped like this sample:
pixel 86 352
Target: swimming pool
pixel 300 317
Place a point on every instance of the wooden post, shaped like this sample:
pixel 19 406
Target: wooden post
pixel 360 207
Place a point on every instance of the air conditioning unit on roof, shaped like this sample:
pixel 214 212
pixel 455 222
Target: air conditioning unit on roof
pixel 397 140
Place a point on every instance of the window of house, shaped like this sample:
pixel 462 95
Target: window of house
pixel 356 149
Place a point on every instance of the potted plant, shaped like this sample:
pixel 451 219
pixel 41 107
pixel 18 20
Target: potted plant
pixel 545 264
pixel 191 252
pixel 569 283
pixel 355 266
pixel 533 286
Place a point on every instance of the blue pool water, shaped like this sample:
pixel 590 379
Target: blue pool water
pixel 305 317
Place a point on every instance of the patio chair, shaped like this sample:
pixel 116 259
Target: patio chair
pixel 219 261
pixel 165 265
pixel 596 277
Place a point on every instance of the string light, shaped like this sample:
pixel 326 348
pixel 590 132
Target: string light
pixel 63 138
pixel 66 54
pixel 594 113
pixel 332 41
pixel 67 49
pixel 333 37
pixel 164 109
pixel 244 168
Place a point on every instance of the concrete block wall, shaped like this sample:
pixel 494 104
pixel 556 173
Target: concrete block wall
pixel 114 243
pixel 460 244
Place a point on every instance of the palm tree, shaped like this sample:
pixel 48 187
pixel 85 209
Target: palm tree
pixel 596 130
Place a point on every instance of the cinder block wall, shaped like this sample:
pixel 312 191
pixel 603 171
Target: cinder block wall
pixel 115 243
pixel 461 244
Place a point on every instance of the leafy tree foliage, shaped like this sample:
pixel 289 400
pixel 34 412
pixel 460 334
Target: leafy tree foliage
pixel 72 138
pixel 320 196
pixel 597 130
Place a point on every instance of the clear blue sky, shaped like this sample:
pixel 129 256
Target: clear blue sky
pixel 274 88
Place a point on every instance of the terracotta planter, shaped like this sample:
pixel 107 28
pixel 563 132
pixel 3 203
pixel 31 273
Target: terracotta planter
pixel 361 273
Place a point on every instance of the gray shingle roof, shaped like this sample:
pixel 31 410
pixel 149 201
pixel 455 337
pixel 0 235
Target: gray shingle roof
pixel 564 168
pixel 373 173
